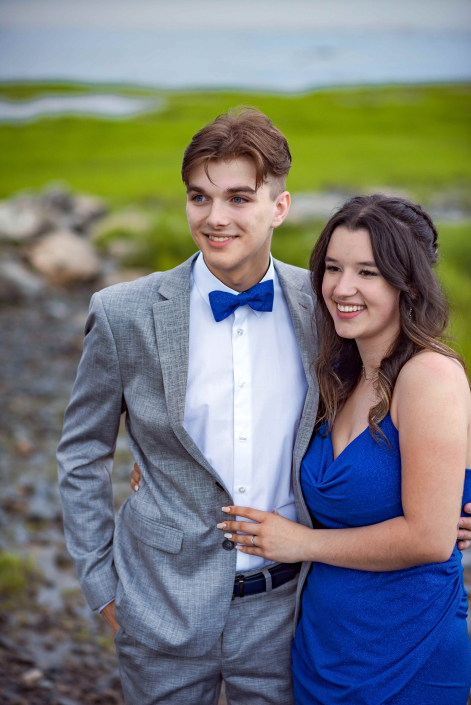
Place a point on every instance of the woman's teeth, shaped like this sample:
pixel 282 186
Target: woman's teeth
pixel 219 239
pixel 349 309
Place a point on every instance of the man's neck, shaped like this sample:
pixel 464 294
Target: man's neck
pixel 241 279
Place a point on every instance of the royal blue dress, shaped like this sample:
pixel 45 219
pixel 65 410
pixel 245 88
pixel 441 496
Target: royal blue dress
pixel 370 638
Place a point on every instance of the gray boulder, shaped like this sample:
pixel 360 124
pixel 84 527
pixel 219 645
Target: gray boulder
pixel 22 219
pixel 64 258
pixel 17 282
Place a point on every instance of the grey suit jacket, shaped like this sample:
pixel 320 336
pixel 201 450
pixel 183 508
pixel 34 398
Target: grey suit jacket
pixel 164 559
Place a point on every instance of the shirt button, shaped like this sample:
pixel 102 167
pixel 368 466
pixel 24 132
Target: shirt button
pixel 228 545
pixel 242 438
pixel 242 384
pixel 240 331
pixel 242 490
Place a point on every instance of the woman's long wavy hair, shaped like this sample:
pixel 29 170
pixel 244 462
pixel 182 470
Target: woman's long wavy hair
pixel 404 243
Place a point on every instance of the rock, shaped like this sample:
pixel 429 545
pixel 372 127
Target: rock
pixel 22 219
pixel 123 249
pixel 31 678
pixel 86 211
pixel 123 275
pixel 58 198
pixel 130 220
pixel 17 282
pixel 24 446
pixel 313 206
pixel 65 258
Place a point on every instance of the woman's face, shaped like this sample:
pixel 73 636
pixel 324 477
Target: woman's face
pixel 361 302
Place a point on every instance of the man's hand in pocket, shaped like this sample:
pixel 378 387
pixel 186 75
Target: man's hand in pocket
pixel 108 613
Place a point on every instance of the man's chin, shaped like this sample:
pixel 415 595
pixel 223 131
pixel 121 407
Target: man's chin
pixel 221 258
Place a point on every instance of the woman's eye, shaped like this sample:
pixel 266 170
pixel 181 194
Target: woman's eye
pixel 331 268
pixel 368 273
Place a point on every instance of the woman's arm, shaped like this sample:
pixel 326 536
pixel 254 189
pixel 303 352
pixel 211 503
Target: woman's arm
pixel 432 405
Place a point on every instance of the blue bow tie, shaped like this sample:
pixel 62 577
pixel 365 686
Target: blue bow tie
pixel 259 297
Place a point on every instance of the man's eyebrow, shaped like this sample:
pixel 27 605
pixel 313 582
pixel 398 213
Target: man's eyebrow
pixel 369 263
pixel 194 187
pixel 230 191
pixel 240 189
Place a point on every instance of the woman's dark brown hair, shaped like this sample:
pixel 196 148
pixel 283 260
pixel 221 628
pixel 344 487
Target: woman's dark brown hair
pixel 404 243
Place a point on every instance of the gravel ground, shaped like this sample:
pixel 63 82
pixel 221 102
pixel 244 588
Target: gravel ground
pixel 53 649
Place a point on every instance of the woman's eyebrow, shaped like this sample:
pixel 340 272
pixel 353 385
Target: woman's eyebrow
pixel 369 263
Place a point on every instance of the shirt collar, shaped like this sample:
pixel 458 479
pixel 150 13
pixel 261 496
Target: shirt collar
pixel 205 281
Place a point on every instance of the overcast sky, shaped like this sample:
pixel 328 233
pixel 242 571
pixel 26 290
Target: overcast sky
pixel 280 45
pixel 262 15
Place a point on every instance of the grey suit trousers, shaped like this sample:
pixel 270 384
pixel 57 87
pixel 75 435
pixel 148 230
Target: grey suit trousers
pixel 252 656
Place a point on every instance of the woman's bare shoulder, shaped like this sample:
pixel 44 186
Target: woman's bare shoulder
pixel 431 362
pixel 430 378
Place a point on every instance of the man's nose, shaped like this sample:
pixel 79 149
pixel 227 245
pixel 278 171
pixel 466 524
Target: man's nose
pixel 218 216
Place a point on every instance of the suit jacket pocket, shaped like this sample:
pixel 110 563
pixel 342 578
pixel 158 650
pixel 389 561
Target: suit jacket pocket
pixel 153 533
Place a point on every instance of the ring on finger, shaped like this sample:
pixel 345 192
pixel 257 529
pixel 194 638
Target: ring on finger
pixel 251 540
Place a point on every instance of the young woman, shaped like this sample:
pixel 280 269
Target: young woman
pixel 384 607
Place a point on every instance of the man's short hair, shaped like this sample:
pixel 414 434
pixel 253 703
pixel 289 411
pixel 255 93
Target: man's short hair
pixel 242 132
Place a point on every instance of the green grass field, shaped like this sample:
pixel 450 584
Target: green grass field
pixel 415 138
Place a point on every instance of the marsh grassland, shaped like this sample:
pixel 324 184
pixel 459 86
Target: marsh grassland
pixel 414 140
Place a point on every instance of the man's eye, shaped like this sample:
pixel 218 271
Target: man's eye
pixel 199 198
pixel 239 199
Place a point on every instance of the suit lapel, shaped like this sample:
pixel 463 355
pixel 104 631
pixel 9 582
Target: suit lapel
pixel 301 308
pixel 172 330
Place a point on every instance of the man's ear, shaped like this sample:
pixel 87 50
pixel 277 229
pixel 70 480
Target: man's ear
pixel 282 204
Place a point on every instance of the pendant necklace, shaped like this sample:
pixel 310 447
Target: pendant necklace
pixel 368 379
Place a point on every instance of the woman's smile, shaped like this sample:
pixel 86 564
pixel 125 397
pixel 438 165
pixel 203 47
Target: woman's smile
pixel 346 311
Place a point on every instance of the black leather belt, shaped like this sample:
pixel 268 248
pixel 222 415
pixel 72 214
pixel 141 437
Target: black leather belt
pixel 280 574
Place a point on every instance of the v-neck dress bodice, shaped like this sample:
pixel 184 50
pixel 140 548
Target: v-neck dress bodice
pixel 367 638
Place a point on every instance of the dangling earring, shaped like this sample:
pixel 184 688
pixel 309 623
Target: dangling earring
pixel 410 312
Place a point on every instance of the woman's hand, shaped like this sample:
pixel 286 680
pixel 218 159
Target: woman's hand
pixel 464 533
pixel 275 538
pixel 135 477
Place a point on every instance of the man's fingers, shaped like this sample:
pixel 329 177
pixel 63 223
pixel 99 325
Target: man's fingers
pixel 465 523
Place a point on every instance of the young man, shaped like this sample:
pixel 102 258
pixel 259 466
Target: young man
pixel 211 362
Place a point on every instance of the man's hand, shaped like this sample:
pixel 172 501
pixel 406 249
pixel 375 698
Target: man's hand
pixel 109 615
pixel 464 533
pixel 135 477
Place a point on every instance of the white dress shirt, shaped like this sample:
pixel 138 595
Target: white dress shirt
pixel 244 398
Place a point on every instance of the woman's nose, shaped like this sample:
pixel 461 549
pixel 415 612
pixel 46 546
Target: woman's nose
pixel 345 285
